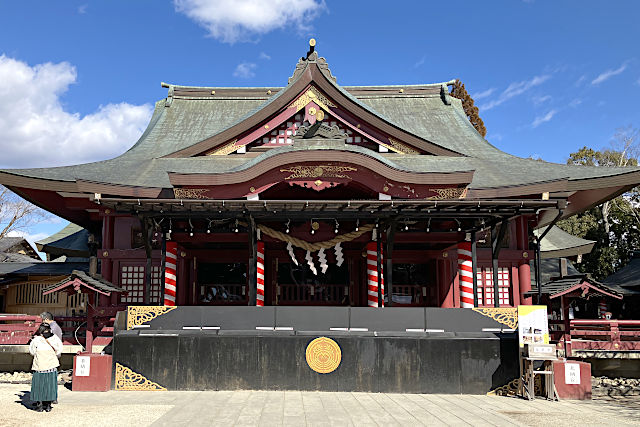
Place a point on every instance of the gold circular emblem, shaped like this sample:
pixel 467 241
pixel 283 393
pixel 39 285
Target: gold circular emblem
pixel 252 189
pixel 320 115
pixel 312 111
pixel 312 42
pixel 318 183
pixel 323 355
pixel 445 255
pixel 315 226
pixel 318 171
pixel 525 254
pixel 105 254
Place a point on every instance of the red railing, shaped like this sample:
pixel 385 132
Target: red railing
pixel 407 295
pixel 17 328
pixel 608 335
pixel 313 294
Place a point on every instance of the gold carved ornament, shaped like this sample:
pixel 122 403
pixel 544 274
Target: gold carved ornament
pixel 400 148
pixel 312 95
pixel 189 193
pixel 225 149
pixel 323 355
pixel 327 171
pixel 448 193
pixel 139 314
pixel 126 379
pixel 508 316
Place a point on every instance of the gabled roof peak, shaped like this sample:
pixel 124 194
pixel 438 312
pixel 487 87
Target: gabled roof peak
pixel 312 58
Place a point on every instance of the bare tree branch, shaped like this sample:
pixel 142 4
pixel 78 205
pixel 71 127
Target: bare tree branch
pixel 16 214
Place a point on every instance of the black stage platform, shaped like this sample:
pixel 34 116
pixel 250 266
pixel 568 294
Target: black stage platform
pixel 401 350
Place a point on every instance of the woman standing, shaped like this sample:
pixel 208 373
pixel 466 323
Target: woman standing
pixel 45 348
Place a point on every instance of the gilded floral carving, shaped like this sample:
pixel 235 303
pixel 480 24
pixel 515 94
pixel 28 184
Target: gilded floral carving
pixel 508 316
pixel 189 193
pixel 326 171
pixel 126 379
pixel 137 315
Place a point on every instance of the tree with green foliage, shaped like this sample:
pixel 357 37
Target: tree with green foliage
pixel 614 225
pixel 458 91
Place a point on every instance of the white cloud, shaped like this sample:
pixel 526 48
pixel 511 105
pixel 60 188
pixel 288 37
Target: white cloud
pixel 245 70
pixel 37 130
pixel 264 56
pixel 515 89
pixel 581 80
pixel 575 102
pixel 543 119
pixel 606 75
pixel 484 94
pixel 239 20
pixel 538 100
pixel 420 62
pixel 82 9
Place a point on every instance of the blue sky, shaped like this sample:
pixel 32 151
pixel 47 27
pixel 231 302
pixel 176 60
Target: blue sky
pixel 79 77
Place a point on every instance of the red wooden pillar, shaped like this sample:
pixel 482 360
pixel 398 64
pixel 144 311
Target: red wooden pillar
pixel 88 343
pixel 446 283
pixel 183 278
pixel 524 270
pixel 106 265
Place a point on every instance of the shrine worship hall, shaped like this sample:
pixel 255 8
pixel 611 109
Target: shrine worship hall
pixel 314 237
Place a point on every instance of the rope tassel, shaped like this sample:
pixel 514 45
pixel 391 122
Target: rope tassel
pixel 339 255
pixel 322 258
pixel 291 254
pixel 310 262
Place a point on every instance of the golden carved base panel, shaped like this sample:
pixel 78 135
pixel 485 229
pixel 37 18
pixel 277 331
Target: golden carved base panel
pixel 126 379
pixel 312 95
pixel 139 314
pixel 323 355
pixel 508 316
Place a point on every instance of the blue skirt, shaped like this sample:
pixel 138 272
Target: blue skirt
pixel 44 386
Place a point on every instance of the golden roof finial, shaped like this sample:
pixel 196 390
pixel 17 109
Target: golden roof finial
pixel 312 47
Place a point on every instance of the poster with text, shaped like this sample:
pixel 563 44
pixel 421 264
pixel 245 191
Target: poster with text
pixel 533 325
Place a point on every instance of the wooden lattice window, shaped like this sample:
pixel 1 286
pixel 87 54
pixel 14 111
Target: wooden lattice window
pixel 283 134
pixel 132 280
pixel 31 293
pixel 486 290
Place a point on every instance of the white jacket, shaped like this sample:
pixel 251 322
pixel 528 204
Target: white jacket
pixel 45 356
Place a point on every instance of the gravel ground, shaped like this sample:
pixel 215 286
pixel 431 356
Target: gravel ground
pixel 195 408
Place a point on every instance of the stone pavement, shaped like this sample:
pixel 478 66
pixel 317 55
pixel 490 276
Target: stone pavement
pixel 272 408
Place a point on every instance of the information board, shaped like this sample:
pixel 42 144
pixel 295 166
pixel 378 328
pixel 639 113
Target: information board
pixel 533 324
pixel 572 373
pixel 83 366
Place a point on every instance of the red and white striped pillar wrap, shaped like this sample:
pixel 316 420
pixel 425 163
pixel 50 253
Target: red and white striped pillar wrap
pixel 372 275
pixel 260 274
pixel 602 309
pixel 170 282
pixel 382 276
pixel 465 274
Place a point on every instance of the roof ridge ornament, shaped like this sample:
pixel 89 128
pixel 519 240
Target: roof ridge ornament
pixel 312 58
